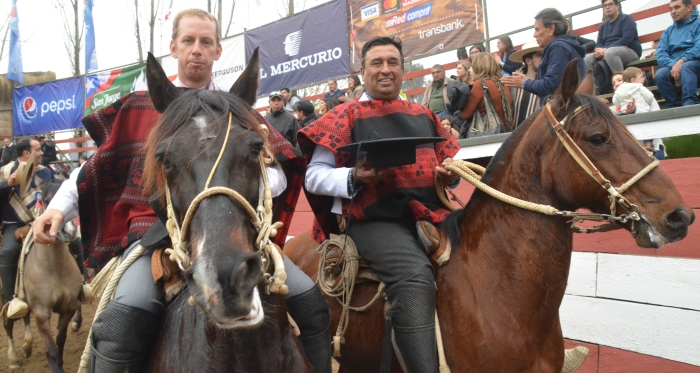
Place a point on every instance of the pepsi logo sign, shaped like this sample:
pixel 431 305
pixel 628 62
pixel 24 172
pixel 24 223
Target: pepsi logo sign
pixel 29 108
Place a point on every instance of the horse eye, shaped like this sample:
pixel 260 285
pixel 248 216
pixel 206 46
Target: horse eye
pixel 598 140
pixel 257 149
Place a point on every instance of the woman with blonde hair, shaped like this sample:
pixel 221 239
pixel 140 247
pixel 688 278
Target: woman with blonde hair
pixel 485 68
pixel 463 74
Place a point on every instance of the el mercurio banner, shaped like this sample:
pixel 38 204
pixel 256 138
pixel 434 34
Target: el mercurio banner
pixel 425 27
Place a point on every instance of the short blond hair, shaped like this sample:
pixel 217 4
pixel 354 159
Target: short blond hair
pixel 466 65
pixel 631 73
pixel 486 66
pixel 195 13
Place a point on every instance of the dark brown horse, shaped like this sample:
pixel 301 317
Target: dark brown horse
pixel 499 295
pixel 52 283
pixel 227 331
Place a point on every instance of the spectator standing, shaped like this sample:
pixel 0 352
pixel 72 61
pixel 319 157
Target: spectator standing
pixel 355 88
pixel 474 50
pixel 334 92
pixel 282 120
pixel 304 111
pixel 463 74
pixel 678 55
pixel 435 97
pixel 486 67
pixel 8 152
pixel 559 48
pixel 289 99
pixel 49 150
pixel 525 103
pixel 618 42
pixel 633 90
pixel 505 48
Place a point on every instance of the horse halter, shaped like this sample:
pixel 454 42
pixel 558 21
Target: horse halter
pixel 614 194
pixel 260 218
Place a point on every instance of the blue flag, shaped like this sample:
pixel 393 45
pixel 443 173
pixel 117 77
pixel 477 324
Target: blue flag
pixel 14 69
pixel 90 52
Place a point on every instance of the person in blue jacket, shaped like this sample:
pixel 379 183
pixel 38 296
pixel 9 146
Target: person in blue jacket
pixel 559 49
pixel 678 55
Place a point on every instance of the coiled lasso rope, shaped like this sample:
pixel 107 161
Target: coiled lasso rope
pixel 342 290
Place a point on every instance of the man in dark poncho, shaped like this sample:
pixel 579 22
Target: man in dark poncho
pixel 387 202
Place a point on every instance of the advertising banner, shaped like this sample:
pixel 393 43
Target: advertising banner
pixel 45 107
pixel 425 27
pixel 226 70
pixel 105 88
pixel 304 49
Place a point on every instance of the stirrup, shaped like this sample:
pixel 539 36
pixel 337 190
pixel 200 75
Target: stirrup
pixel 574 358
pixel 437 245
pixel 16 309
pixel 85 295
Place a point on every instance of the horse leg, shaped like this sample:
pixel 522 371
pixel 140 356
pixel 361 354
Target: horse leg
pixel 11 356
pixel 43 323
pixel 77 320
pixel 63 320
pixel 28 337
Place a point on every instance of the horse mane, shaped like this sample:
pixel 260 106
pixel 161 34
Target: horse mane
pixel 595 111
pixel 49 189
pixel 190 103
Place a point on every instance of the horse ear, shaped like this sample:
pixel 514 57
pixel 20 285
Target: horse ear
pixel 246 86
pixel 588 84
pixel 569 82
pixel 160 89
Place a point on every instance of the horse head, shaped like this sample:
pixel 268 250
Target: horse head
pixel 207 139
pixel 69 232
pixel 619 167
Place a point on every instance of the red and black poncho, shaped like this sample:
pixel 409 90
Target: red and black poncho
pixel 408 190
pixel 114 210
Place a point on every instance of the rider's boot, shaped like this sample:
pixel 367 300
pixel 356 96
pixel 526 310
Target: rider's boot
pixel 121 337
pixel 574 358
pixel 8 273
pixel 437 244
pixel 412 318
pixel 313 317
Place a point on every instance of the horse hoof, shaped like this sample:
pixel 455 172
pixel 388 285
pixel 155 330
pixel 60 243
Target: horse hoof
pixel 74 326
pixel 27 350
pixel 13 366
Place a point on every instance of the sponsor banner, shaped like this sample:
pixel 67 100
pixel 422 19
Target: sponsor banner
pixel 425 27
pixel 226 70
pixel 47 107
pixel 107 87
pixel 304 49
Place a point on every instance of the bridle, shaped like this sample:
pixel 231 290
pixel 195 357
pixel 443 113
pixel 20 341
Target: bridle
pixel 261 218
pixel 614 193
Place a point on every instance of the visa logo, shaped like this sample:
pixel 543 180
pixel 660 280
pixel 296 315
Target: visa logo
pixel 369 11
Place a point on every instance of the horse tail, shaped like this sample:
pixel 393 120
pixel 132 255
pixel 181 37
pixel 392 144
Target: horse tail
pixel 452 227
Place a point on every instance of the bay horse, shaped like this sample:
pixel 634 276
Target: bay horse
pixel 221 334
pixel 498 297
pixel 52 282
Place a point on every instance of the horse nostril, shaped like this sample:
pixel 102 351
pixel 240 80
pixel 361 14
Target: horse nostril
pixel 246 275
pixel 679 219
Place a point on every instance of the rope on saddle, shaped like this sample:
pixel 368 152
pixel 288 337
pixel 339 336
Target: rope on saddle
pixel 342 287
pixel 107 295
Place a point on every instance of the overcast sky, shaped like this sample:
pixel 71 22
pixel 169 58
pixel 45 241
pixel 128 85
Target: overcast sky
pixel 41 29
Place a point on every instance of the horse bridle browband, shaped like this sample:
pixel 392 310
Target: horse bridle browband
pixel 614 194
pixel 261 220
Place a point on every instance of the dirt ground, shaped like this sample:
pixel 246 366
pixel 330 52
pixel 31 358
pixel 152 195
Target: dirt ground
pixel 74 346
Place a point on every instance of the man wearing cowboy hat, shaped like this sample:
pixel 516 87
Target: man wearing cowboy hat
pixel 524 102
pixel 19 179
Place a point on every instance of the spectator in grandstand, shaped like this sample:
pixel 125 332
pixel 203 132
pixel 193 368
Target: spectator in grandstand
pixel 486 70
pixel 586 43
pixel 8 152
pixel 334 92
pixel 355 88
pixel 289 99
pixel 559 49
pixel 448 124
pixel 463 74
pixel 524 102
pixel 304 111
pixel 82 159
pixel 49 150
pixel 326 104
pixel 281 119
pixel 435 97
pixel 678 55
pixel 474 50
pixel 633 90
pixel 618 42
pixel 654 45
pixel 505 49
pixel 617 81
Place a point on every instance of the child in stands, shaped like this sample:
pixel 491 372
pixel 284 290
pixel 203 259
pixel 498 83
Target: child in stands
pixel 633 89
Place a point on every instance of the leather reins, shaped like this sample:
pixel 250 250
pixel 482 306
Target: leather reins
pixel 261 218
